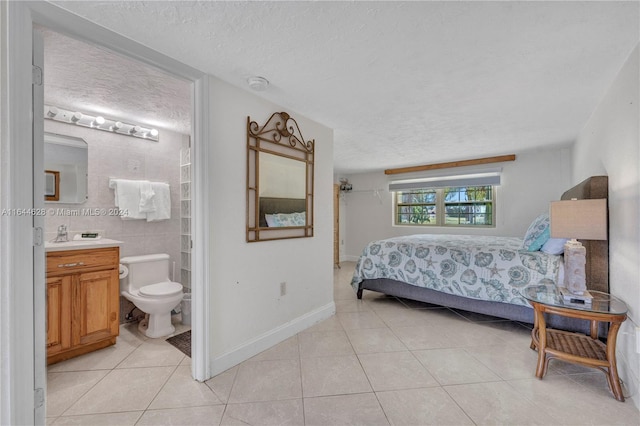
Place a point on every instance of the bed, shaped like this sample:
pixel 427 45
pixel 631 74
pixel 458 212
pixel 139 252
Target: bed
pixel 475 273
pixel 274 205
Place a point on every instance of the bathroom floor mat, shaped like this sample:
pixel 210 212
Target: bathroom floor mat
pixel 182 341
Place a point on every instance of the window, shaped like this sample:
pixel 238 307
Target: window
pixel 451 206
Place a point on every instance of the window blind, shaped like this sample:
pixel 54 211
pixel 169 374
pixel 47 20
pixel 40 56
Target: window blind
pixel 472 179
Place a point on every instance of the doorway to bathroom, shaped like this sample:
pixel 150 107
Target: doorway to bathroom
pixel 23 338
pixel 136 158
pixel 134 124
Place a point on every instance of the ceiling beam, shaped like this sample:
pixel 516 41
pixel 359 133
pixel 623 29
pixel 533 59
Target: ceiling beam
pixel 476 161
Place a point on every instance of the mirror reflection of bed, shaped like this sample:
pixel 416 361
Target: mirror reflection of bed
pixel 282 191
pixel 287 212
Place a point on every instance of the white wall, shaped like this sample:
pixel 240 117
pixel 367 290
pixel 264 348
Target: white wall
pixel 247 312
pixel 610 144
pixel 528 185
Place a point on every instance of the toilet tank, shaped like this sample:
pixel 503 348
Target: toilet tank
pixel 145 270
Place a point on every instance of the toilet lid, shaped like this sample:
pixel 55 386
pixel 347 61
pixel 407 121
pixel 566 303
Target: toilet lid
pixel 167 288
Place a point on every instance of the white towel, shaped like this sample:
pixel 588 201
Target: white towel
pixel 162 202
pixel 127 198
pixel 147 202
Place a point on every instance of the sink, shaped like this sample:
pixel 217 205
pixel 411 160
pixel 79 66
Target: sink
pixel 81 244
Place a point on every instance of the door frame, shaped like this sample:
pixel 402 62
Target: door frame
pixel 39 256
pixel 19 375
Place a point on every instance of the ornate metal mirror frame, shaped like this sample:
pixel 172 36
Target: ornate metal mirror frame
pixel 279 180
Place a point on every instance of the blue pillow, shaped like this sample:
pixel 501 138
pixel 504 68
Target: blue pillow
pixel 554 246
pixel 537 234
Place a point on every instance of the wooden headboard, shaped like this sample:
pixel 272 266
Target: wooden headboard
pixel 597 269
pixel 271 205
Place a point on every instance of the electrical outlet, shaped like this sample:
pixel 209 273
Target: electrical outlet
pixel 283 288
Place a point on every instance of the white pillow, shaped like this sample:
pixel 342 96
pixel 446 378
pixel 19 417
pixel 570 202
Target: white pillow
pixel 285 219
pixel 554 246
pixel 271 221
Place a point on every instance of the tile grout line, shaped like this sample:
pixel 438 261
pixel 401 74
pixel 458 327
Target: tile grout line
pixel 85 393
pixel 175 368
pixel 304 413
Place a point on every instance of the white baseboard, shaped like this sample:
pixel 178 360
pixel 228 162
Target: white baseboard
pixel 270 338
pixel 349 258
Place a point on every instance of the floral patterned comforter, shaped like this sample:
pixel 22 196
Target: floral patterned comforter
pixel 477 267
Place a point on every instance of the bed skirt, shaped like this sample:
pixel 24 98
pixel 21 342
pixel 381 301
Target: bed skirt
pixel 497 309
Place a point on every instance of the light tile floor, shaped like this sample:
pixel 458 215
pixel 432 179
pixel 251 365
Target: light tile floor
pixel 378 361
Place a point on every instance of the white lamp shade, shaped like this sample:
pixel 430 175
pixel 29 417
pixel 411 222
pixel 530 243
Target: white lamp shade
pixel 579 219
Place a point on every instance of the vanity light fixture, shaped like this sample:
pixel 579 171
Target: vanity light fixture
pixel 76 117
pixel 100 123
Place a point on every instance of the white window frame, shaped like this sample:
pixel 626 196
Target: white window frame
pixel 441 209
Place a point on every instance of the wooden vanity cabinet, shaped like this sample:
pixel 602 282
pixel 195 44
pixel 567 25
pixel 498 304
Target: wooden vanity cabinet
pixel 83 297
pixel 58 314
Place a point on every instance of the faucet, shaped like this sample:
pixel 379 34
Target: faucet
pixel 62 236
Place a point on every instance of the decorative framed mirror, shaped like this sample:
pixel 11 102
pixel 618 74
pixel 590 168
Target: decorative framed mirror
pixel 279 180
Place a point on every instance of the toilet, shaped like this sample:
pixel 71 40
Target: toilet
pixel 144 280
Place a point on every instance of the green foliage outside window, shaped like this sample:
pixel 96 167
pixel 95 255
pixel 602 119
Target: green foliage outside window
pixel 454 206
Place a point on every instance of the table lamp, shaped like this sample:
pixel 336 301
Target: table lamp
pixel 577 219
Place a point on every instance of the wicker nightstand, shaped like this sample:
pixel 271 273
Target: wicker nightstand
pixel 576 347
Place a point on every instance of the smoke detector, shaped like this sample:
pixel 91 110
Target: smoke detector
pixel 257 83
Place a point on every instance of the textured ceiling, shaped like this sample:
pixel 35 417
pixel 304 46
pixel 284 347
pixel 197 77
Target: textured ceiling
pixel 82 77
pixel 401 83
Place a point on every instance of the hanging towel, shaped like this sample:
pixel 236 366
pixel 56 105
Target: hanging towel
pixel 127 198
pixel 147 201
pixel 162 201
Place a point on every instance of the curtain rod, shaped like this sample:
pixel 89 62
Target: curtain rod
pixel 476 161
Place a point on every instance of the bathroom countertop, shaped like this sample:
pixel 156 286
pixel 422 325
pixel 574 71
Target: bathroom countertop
pixel 81 244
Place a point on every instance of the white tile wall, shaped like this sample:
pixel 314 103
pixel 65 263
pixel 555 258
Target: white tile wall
pixel 117 156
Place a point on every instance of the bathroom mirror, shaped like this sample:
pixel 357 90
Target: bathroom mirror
pixel 279 180
pixel 66 160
